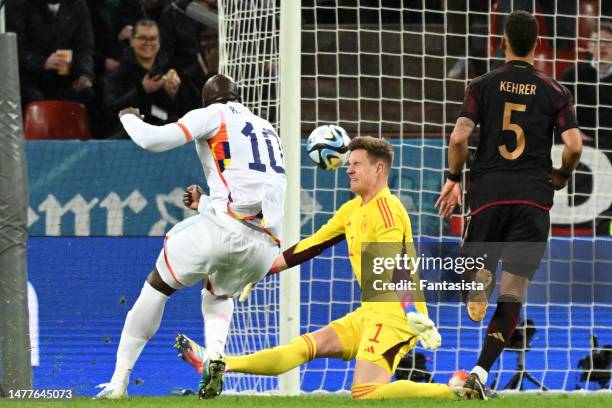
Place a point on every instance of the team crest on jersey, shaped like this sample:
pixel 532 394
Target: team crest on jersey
pixel 364 225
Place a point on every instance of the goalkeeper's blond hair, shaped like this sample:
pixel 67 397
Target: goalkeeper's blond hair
pixel 378 149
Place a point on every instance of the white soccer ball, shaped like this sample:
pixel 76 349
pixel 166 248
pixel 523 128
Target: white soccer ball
pixel 457 380
pixel 327 146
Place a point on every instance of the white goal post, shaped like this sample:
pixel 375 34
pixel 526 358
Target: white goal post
pixel 2 27
pixel 260 48
pixel 290 132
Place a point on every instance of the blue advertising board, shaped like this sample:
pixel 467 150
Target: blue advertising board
pixel 84 286
pixel 114 188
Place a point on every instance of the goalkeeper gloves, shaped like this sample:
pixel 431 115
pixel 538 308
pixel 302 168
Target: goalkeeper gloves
pixel 424 330
pixel 246 292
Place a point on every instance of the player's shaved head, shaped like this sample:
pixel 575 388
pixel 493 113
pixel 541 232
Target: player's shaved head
pixel 521 29
pixel 219 89
pixel 378 149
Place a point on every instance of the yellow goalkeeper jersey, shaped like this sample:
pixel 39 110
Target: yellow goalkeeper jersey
pixel 383 219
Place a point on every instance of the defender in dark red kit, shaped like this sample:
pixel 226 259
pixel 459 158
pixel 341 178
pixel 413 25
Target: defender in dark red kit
pixel 511 182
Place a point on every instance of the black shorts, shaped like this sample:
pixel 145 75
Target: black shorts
pixel 515 233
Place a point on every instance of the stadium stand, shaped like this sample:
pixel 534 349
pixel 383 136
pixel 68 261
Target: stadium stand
pixel 56 120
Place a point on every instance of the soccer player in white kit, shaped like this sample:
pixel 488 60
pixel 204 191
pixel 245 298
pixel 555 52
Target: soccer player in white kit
pixel 233 240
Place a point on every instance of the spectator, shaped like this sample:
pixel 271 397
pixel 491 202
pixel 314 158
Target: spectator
pixel 107 53
pixel 181 34
pixel 207 65
pixel 591 85
pixel 131 11
pixel 56 47
pixel 144 80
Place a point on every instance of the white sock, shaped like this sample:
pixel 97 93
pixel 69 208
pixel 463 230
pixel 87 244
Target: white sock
pixel 140 325
pixel 217 313
pixel 481 373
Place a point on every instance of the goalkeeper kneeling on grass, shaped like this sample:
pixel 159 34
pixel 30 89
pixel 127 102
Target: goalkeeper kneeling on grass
pixel 378 333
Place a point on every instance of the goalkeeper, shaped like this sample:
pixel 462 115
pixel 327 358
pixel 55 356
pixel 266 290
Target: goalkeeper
pixel 377 334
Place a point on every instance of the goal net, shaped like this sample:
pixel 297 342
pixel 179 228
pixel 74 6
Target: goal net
pixel 249 52
pixel 398 69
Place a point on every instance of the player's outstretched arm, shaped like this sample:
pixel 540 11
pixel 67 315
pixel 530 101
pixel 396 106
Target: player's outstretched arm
pixel 450 197
pixel 279 264
pixel 569 159
pixel 305 250
pixel 458 144
pixel 328 235
pixel 149 137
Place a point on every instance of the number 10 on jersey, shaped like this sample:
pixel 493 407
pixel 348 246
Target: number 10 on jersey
pixel 268 134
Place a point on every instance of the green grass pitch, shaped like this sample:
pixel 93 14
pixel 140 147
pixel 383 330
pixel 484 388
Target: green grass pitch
pixel 512 401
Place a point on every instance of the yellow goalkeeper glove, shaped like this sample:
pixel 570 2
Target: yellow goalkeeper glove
pixel 424 330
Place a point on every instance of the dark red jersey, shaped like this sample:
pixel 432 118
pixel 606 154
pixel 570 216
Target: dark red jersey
pixel 518 109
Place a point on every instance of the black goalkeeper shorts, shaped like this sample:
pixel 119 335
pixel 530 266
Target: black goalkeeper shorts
pixel 515 233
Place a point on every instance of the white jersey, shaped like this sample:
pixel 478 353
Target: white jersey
pixel 241 155
pixel 242 159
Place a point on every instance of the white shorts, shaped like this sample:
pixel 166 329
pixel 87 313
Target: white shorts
pixel 214 246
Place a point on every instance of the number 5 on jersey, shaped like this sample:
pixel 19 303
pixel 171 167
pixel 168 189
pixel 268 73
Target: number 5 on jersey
pixel 517 129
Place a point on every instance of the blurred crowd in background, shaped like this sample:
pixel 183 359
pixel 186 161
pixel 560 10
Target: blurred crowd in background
pixel 112 54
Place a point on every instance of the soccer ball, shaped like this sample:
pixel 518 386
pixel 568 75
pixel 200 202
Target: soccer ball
pixel 457 380
pixel 327 146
